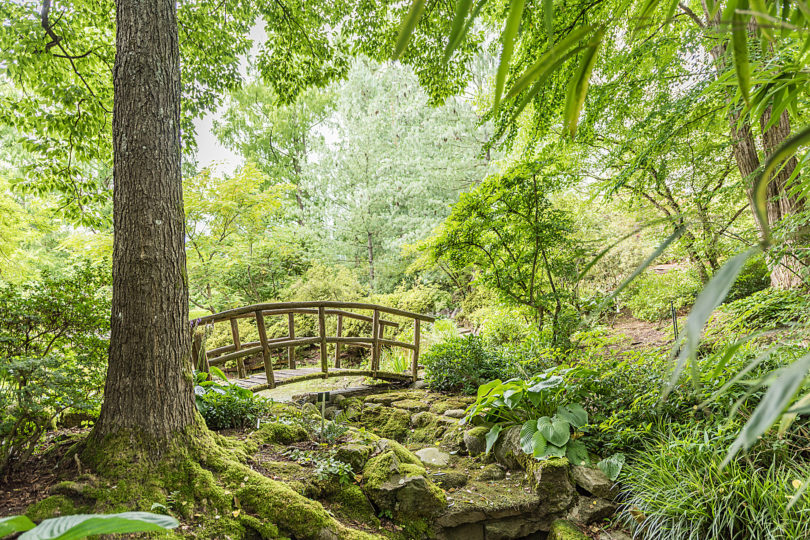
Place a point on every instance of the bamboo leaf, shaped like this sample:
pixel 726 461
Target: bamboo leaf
pixel 508 36
pixel 760 188
pixel 529 96
pixel 457 27
pixel 773 403
pixel 739 38
pixel 761 15
pixel 408 25
pixel 578 88
pixel 710 297
pixel 544 63
pixel 548 16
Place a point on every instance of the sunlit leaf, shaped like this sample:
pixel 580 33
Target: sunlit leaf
pixel 457 27
pixel 574 414
pixel 578 87
pixel 527 431
pixel 15 524
pixel 508 36
pixel 612 466
pixel 492 436
pixel 548 16
pixel 739 38
pixel 408 26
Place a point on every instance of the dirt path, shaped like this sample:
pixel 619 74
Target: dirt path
pixel 641 334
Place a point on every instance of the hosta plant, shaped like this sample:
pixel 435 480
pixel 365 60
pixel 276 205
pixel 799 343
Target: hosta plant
pixel 551 421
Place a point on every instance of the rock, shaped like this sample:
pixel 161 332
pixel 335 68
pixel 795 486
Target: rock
pixel 591 509
pixel 330 412
pixel 453 439
pixel 413 405
pixel 507 449
pixel 419 385
pixel 594 481
pixel 475 440
pixel 395 480
pixel 455 413
pixel 492 472
pixel 467 531
pixel 520 527
pixel 422 419
pixel 614 535
pixel 433 457
pixel 338 399
pixel 565 530
pixel 450 479
pixel 552 483
pixel 355 455
pixel 387 422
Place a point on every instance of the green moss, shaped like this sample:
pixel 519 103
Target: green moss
pixel 55 505
pixel 352 504
pixel 479 431
pixel 264 530
pixel 428 428
pixel 413 405
pixel 389 397
pixel 444 405
pixel 565 530
pixel 386 422
pixel 277 433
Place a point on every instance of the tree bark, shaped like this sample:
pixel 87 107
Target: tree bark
pixel 149 388
pixel 371 259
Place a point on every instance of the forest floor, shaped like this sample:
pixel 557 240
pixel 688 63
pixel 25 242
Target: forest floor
pixel 641 334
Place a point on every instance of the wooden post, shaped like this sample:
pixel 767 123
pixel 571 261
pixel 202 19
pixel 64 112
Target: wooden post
pixel 240 362
pixel 415 361
pixel 375 343
pixel 291 348
pixel 337 345
pixel 322 331
pixel 198 357
pixel 268 362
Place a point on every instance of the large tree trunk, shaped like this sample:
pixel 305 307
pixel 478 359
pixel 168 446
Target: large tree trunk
pixel 148 388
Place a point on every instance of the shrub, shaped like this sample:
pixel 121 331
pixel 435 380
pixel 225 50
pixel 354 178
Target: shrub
pixel 753 277
pixel 677 489
pixel 650 295
pixel 766 309
pixel 227 405
pixel 498 325
pixel 53 350
pixel 460 364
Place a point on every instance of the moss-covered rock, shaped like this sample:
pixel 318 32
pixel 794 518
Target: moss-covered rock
pixel 475 440
pixel 388 398
pixel 551 480
pixel 278 433
pixel 354 454
pixel 396 481
pixel 440 406
pixel 350 503
pixel 565 530
pixel 491 472
pixel 428 428
pixel 53 506
pixel 508 451
pixel 386 422
pixel 412 405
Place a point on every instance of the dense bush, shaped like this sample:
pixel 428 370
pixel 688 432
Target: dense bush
pixel 224 405
pixel 460 364
pixel 753 277
pixel 677 489
pixel 766 309
pixel 499 325
pixel 649 295
pixel 53 349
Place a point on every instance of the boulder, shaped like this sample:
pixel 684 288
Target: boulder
pixel 450 479
pixel 565 530
pixel 594 481
pixel 387 422
pixel 396 481
pixel 614 535
pixel 412 405
pixel 520 527
pixel 492 472
pixel 591 509
pixel 455 413
pixel 433 457
pixel 355 455
pixel 475 441
pixel 507 449
pixel 552 483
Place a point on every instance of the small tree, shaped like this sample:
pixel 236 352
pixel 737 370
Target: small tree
pixel 518 242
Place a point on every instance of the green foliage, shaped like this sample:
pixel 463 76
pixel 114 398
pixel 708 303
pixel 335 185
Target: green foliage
pixel 327 466
pixel 754 277
pixel 53 346
pixel 227 405
pixel 80 526
pixel 649 295
pixel 550 423
pixel 767 309
pixel 499 325
pixel 676 488
pixel 460 364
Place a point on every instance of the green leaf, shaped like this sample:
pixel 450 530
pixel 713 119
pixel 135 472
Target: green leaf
pixel 218 372
pixel 577 453
pixel 739 38
pixel 578 87
pixel 508 36
pixel 574 414
pixel 457 27
pixel 760 188
pixel 14 524
pixel 556 431
pixel 548 16
pixel 790 416
pixel 408 25
pixel 773 403
pixel 492 436
pixel 552 450
pixel 538 444
pixel 612 466
pixel 760 9
pixel 84 525
pixel 527 431
pixel 547 62
pixel 707 301
pixel 513 397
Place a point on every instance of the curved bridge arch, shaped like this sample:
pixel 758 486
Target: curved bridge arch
pixel 238 351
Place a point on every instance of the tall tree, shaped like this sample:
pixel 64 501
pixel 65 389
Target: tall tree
pixel 147 388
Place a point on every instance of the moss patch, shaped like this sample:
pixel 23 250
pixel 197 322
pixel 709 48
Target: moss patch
pixel 565 530
pixel 55 505
pixel 386 422
pixel 277 433
pixel 350 503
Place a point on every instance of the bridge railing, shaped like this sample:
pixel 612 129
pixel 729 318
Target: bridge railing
pixel 238 351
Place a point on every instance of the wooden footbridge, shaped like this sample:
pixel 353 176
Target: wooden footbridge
pixel 239 352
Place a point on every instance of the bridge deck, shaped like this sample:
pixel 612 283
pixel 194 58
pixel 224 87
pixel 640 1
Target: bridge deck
pixel 258 381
